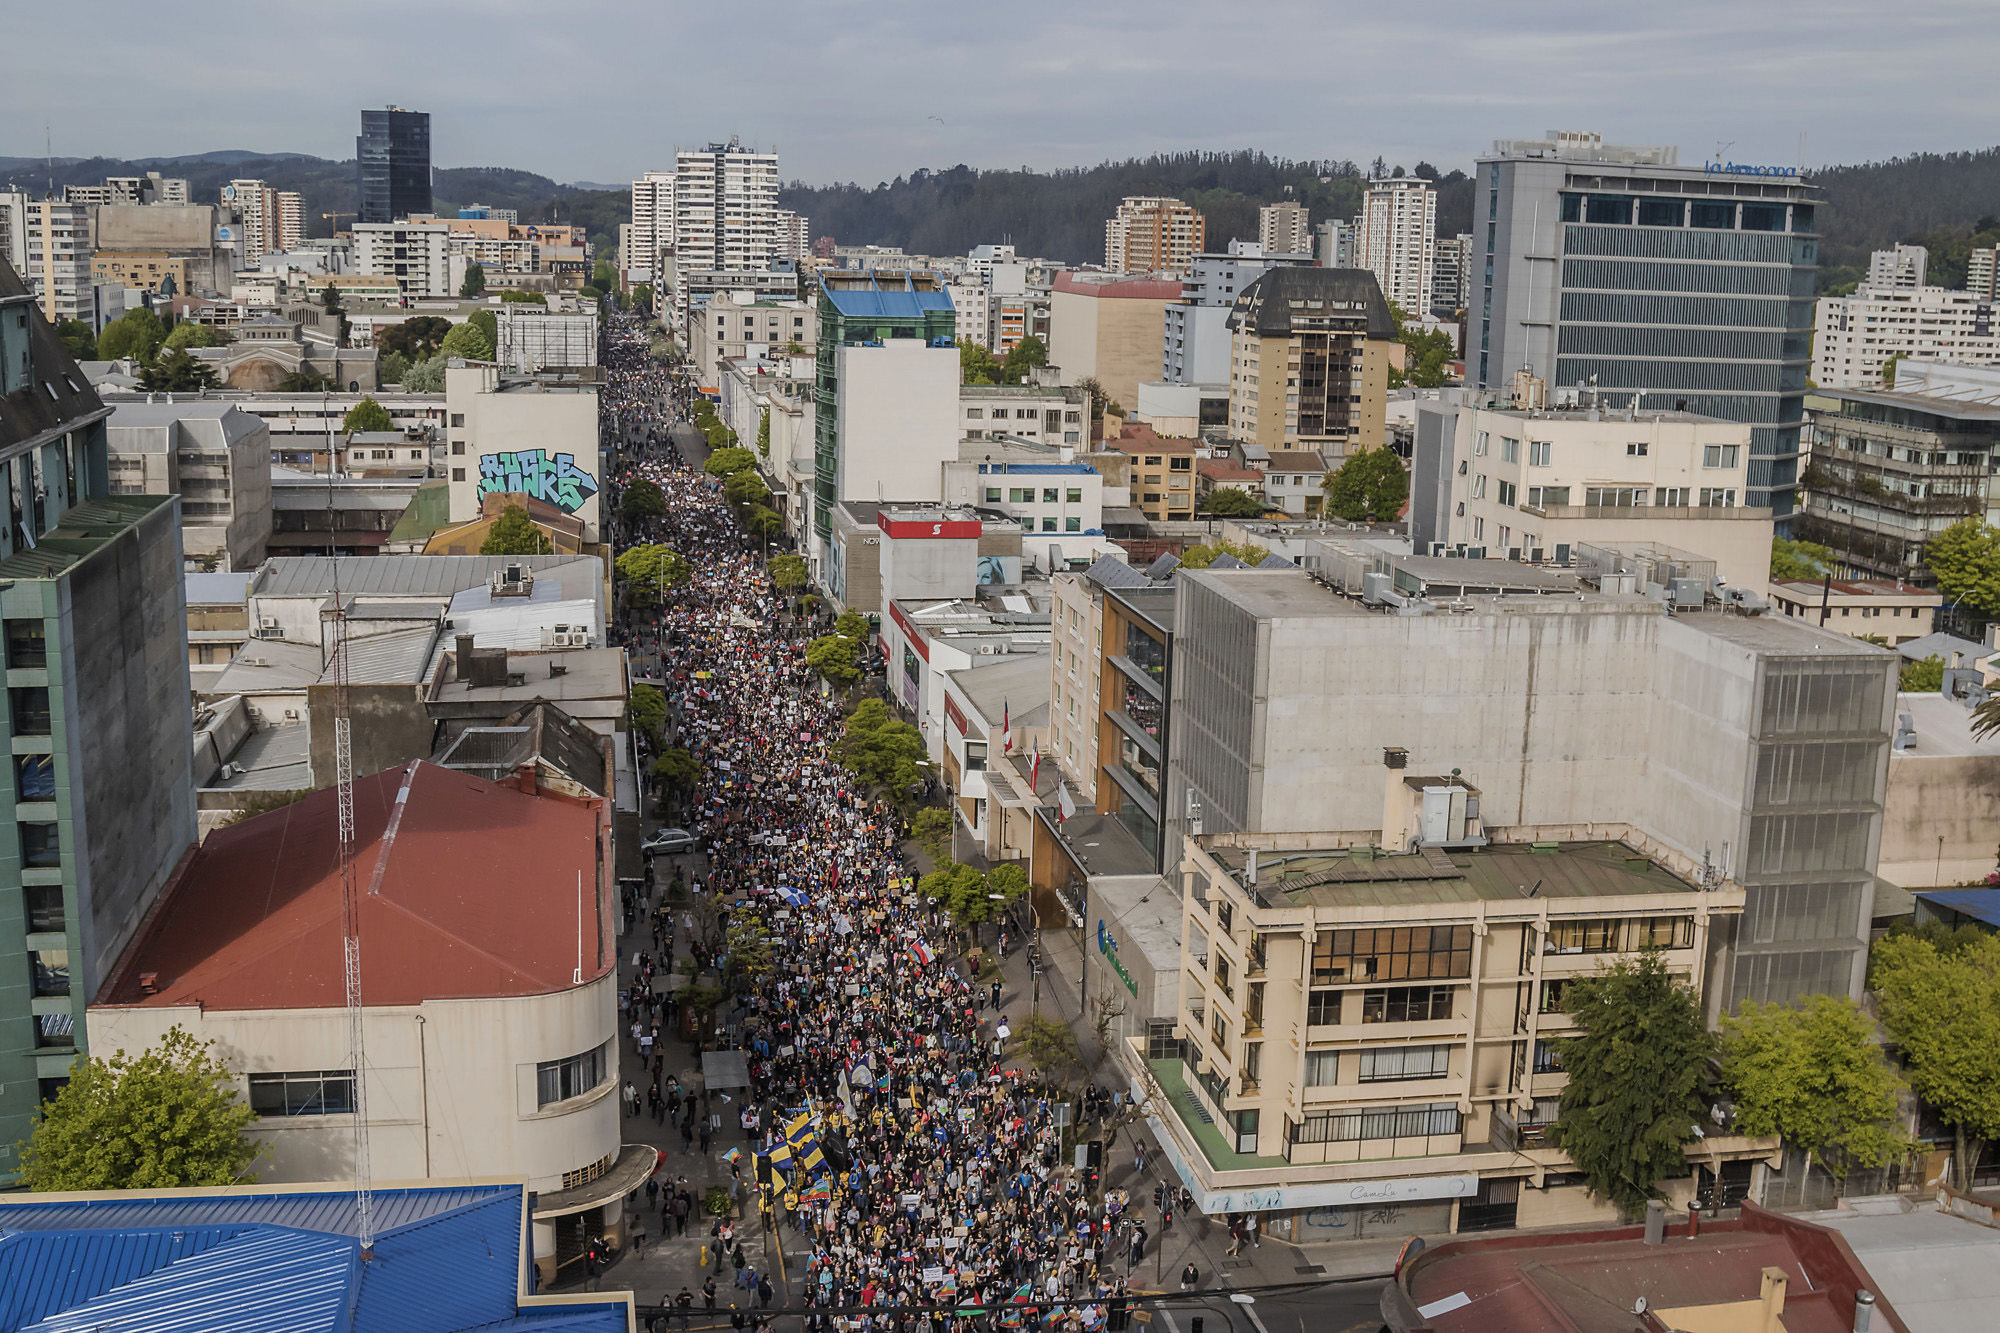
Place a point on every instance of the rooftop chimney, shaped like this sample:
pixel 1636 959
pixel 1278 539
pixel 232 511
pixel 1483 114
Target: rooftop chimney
pixel 149 984
pixel 1771 1296
pixel 463 657
pixel 1656 1222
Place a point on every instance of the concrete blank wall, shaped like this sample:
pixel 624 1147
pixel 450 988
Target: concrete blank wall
pixel 1954 797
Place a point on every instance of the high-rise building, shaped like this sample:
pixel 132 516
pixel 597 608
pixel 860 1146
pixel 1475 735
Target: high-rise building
pixel 258 210
pixel 1397 241
pixel 1284 229
pixel 1899 268
pixel 1685 287
pixel 1336 244
pixel 1450 280
pixel 291 220
pixel 1982 273
pixel 791 235
pixel 416 254
pixel 652 225
pixel 58 245
pixel 393 155
pixel 97 722
pixel 1195 343
pixel 1149 234
pixel 725 209
pixel 14 229
pixel 1309 361
pixel 1857 337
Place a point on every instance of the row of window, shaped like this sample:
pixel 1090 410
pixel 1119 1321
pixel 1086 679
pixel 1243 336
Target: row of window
pixel 1425 1120
pixel 1388 1064
pixel 1393 1004
pixel 1025 495
pixel 1623 210
pixel 1398 953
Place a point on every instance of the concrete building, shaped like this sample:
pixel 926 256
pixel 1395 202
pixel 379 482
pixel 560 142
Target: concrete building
pixel 1044 414
pixel 1338 246
pixel 887 397
pixel 533 338
pixel 1058 501
pixel 415 254
pixel 791 236
pixel 272 221
pixel 1861 608
pixel 522 435
pixel 1982 273
pixel 1678 731
pixel 652 226
pixel 59 260
pixel 1109 328
pixel 1397 240
pixel 1150 234
pixel 1901 267
pixel 1451 280
pixel 1195 342
pixel 734 326
pixel 1309 361
pixel 1517 482
pixel 1856 338
pixel 1284 229
pixel 102 797
pixel 1890 470
pixel 1294 481
pixel 725 209
pixel 143 270
pixel 213 455
pixel 151 188
pixel 392 157
pixel 993 709
pixel 14 229
pixel 1687 286
pixel 1358 1025
pixel 1161 474
pixel 887 552
pixel 1076 659
pixel 489 990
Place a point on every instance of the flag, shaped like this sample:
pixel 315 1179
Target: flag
pixel 1006 727
pixel 919 952
pixel 1065 804
pixel 733 1156
pixel 1035 770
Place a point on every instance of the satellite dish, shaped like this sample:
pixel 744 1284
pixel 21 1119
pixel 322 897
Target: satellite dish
pixel 1639 1305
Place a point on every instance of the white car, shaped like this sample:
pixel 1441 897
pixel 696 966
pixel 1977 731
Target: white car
pixel 668 841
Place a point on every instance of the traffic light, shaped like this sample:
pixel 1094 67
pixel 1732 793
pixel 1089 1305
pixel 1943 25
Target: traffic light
pixel 1096 1153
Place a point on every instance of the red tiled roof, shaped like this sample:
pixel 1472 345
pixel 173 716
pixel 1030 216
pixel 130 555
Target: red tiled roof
pixel 474 896
pixel 1861 588
pixel 1221 469
pixel 1136 437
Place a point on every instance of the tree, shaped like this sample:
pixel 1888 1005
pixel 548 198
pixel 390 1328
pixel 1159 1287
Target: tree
pixel 590 293
pixel 425 376
pixel 745 488
pixel 1942 1011
pixel 646 709
pixel 1635 1079
pixel 727 462
pixel 1051 1049
pixel 652 568
pixel 1029 354
pixel 1924 677
pixel 836 658
pixel 467 341
pixel 78 339
pixel 167 1118
pixel 884 752
pixel 1093 391
pixel 417 337
pixel 764 435
pixel 749 958
pixel 136 334
pixel 177 372
pixel 488 325
pixel 523 298
pixel 366 415
pixel 1965 557
pixel 788 572
pixel 187 333
pixel 304 380
pixel 475 280
pixel 643 499
pixel 1230 502
pixel 1370 486
pixel 1798 559
pixel 1814 1075
pixel 976 364
pixel 1207 553
pixel 677 769
pixel 514 533
pixel 329 299
pixel 967 895
pixel 762 521
pixel 603 276
pixel 931 829
pixel 392 367
pixel 642 296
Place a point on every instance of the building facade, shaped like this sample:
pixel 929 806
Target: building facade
pixel 59 260
pixel 393 156
pixel 1857 339
pixel 734 325
pixel 213 455
pixel 532 339
pixel 1150 234
pixel 725 209
pixel 1195 340
pixel 1687 287
pixel 416 254
pixel 1397 240
pixel 1284 229
pixel 522 435
pixel 1109 328
pixel 1309 361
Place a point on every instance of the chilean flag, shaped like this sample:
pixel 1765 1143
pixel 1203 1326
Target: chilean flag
pixel 1006 728
pixel 919 952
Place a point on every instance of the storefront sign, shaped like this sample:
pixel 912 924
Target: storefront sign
pixel 1747 169
pixel 1319 1194
pixel 1107 944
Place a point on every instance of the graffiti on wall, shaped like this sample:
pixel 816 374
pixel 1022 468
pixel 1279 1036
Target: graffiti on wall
pixel 551 478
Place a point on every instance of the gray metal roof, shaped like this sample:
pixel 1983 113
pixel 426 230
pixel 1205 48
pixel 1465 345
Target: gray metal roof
pixel 1110 572
pixel 397 575
pixel 230 589
pixel 1940 645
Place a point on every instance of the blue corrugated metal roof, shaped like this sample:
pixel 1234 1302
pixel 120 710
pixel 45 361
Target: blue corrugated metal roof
pixel 886 302
pixel 1979 904
pixel 446 1260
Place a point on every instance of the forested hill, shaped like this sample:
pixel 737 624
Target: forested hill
pixel 1061 214
pixel 1946 201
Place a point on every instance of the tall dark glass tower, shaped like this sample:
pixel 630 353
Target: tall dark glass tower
pixel 393 153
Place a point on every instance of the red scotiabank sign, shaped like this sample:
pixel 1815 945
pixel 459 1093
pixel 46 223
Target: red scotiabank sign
pixel 940 529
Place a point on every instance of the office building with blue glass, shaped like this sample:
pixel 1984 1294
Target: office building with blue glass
pixel 1684 288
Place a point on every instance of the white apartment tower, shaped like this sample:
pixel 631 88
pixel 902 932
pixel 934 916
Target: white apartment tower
pixel 725 209
pixel 1398 240
pixel 1982 273
pixel 1902 268
pixel 1284 229
pixel 652 224
pixel 58 246
pixel 793 236
pixel 272 220
pixel 1149 234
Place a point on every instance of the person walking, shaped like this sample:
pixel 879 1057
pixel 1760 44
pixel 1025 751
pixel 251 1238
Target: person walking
pixel 1250 1229
pixel 1190 1277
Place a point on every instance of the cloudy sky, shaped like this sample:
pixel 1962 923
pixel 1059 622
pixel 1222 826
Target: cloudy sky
pixel 599 90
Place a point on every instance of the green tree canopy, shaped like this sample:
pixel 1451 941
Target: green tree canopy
pixel 969 896
pixel 425 376
pixel 653 568
pixel 1207 553
pixel 78 339
pixel 523 298
pixel 677 768
pixel 1029 354
pixel 745 488
pixel 642 296
pixel 750 955
pixel 417 337
pixel 468 341
pixel 1814 1075
pixel 366 415
pixel 1965 557
pixel 187 333
pixel 392 367
pixel 762 521
pixel 788 572
pixel 475 281
pixel 1230 502
pixel 1050 1047
pixel 976 365
pixel 883 751
pixel 1798 559
pixel 1370 486
pixel 329 299
pixel 136 334
pixel 304 380
pixel 727 462
pixel 1942 1010
pixel 646 707
pixel 1634 1095
pixel 643 499
pixel 177 372
pixel 764 435
pixel 1922 677
pixel 836 657
pixel 514 533
pixel 167 1118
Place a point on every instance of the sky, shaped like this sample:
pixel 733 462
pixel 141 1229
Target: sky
pixel 600 90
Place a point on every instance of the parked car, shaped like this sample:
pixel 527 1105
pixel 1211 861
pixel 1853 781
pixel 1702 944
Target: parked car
pixel 668 841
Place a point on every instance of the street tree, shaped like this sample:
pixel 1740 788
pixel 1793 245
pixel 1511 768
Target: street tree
pixel 392 367
pixel 835 658
pixel 884 752
pixel 745 488
pixel 1798 559
pixel 1370 486
pixel 169 1117
pixel 1965 557
pixel 1051 1049
pixel 788 573
pixel 136 334
pixel 514 533
pixel 643 499
pixel 1814 1074
pixel 1942 1010
pixel 751 952
pixel 677 769
pixel 1925 676
pixel 475 281
pixel 646 709
pixel 366 415
pixel 178 372
pixel 728 462
pixel 652 568
pixel 1634 1095
pixel 762 521
pixel 78 339
pixel 1028 355
pixel 764 435
pixel 1207 553
pixel 187 333
pixel 1230 502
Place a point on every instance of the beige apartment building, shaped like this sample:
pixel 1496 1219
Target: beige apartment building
pixel 145 269
pixel 735 325
pixel 1149 234
pixel 1161 476
pixel 1365 1029
pixel 1284 229
pixel 1108 327
pixel 1076 651
pixel 1881 609
pixel 1309 361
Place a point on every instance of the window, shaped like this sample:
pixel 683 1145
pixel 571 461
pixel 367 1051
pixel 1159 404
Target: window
pixel 1615 497
pixel 1222 974
pixel 1394 1122
pixel 320 1092
pixel 1714 217
pixel 1479 445
pixel 1671 497
pixel 975 756
pixel 1073 495
pixel 1048 525
pixel 1548 495
pixel 41 846
pixel 1021 495
pixel 1049 495
pixel 993 495
pixel 1661 212
pixel 1595 936
pixel 1636 449
pixel 1392 1063
pixel 1538 453
pixel 1392 954
pixel 1479 486
pixel 1554 994
pixel 51 970
pixel 1719 455
pixel 1660 932
pixel 44 907
pixel 1184 463
pixel 1718 497
pixel 560 1080
pixel 31 710
pixel 1608 208
pixel 457 420
pixel 1322 1068
pixel 1072 525
pixel 1510 450
pixel 458 474
pixel 26 646
pixel 1547 1059
pixel 1406 1004
pixel 1507 492
pixel 1763 217
pixel 55 1030
pixel 1322 1008
pixel 34 777
pixel 1479 529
